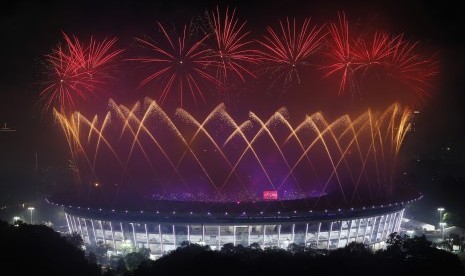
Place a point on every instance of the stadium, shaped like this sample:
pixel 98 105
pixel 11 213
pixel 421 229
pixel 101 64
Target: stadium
pixel 163 231
pixel 153 180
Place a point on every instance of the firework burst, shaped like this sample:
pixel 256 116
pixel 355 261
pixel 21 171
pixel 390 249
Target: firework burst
pixel 413 70
pixel 77 71
pixel 231 51
pixel 340 54
pixel 179 67
pixel 391 58
pixel 374 50
pixel 289 49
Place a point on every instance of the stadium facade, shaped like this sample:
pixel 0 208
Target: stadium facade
pixel 163 231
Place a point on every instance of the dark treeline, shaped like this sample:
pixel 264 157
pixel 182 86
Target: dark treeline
pixel 39 250
pixel 403 256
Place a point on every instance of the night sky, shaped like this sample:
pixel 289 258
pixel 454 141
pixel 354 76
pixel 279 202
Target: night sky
pixel 29 30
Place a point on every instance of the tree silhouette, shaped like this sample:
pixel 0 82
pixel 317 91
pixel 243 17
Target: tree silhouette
pixel 75 239
pixel 403 256
pixel 39 250
pixel 133 260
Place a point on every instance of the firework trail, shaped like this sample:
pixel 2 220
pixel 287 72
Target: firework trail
pixel 349 156
pixel 221 55
pixel 411 69
pixel 353 57
pixel 180 66
pixel 374 50
pixel 77 71
pixel 340 52
pixel 288 50
pixel 231 51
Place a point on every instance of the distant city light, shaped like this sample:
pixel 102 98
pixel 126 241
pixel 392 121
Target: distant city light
pixel 6 129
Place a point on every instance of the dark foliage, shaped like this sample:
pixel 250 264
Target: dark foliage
pixel 74 238
pixel 403 256
pixel 39 250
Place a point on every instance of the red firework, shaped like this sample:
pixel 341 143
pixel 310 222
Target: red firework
pixel 77 71
pixel 231 52
pixel 340 52
pixel 290 48
pixel 398 59
pixel 410 68
pixel 181 65
pixel 374 50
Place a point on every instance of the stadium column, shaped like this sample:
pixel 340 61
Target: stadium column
pixel 349 231
pixel 112 235
pixel 293 233
pixel 71 228
pixel 188 233
pixel 386 222
pixel 264 232
pixel 234 235
pixel 73 224
pixel 389 228
pixel 69 225
pixel 329 234
pixel 372 229
pixel 401 217
pixel 219 237
pixel 76 225
pixel 279 234
pixel 318 234
pixel 396 223
pixel 203 234
pixel 248 238
pixel 393 223
pixel 134 235
pixel 366 229
pixel 161 238
pixel 379 225
pixel 386 218
pixel 122 231
pixel 400 220
pixel 80 226
pixel 389 225
pixel 306 234
pixel 87 231
pixel 93 231
pixel 358 229
pixel 147 235
pixel 103 232
pixel 339 236
pixel 174 237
